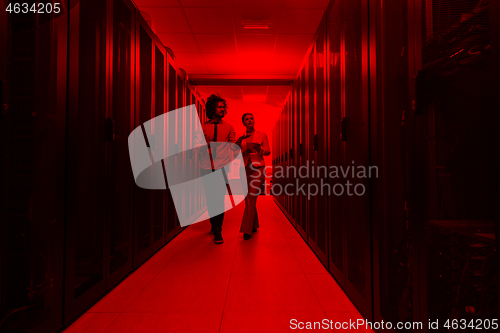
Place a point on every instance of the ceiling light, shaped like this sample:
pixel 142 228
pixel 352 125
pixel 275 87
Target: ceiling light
pixel 256 24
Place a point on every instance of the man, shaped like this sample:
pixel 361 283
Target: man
pixel 215 156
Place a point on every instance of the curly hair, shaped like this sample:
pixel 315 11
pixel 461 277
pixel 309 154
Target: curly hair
pixel 211 104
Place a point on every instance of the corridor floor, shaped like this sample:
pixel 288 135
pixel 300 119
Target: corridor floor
pixel 193 285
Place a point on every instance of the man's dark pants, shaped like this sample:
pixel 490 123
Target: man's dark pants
pixel 215 195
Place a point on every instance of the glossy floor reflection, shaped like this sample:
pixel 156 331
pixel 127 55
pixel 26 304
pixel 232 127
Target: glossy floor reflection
pixel 193 285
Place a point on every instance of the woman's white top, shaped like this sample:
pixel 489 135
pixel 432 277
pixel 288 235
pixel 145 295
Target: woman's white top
pixel 256 158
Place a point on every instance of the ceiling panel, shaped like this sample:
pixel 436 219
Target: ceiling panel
pixel 205 3
pixel 255 14
pixel 231 92
pixel 255 63
pixel 299 20
pixel 275 100
pixel 193 70
pixel 185 60
pixel 168 19
pixel 218 43
pixel 179 42
pixel 209 41
pixel 293 43
pixel 254 90
pixel 286 63
pixel 278 90
pixel 257 3
pixel 306 4
pixel 222 63
pixel 209 20
pixel 255 43
pixel 157 3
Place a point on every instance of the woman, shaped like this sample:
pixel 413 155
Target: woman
pixel 254 146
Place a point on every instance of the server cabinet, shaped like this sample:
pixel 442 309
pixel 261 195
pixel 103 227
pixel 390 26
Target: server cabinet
pixel 180 139
pixel 356 154
pixel 350 230
pixel 275 160
pixel 196 157
pixel 203 119
pixel 159 196
pixel 273 180
pixel 288 158
pixel 281 155
pixel 319 141
pixel 279 137
pixel 120 122
pixel 86 182
pixel 143 198
pixel 393 292
pixel 294 212
pixel 172 105
pixel 302 130
pixel 281 140
pixel 311 155
pixel 276 140
pixel 336 234
pixel 193 206
pixel 189 156
pixel 33 55
pixel 456 231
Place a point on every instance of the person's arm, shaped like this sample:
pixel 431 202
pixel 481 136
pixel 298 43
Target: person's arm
pixel 232 135
pixel 244 149
pixel 239 141
pixel 264 150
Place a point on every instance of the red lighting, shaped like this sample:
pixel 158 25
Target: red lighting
pixel 254 98
pixel 257 25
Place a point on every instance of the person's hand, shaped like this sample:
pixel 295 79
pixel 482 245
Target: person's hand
pixel 258 149
pixel 243 137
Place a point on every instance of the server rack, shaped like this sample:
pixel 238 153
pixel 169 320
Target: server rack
pixel 189 161
pixel 144 213
pixel 180 140
pixel 453 96
pixel 120 123
pixel 158 197
pixel 423 235
pixel 85 224
pixel 311 155
pixel 33 91
pixel 172 105
pixel 286 148
pixel 302 150
pixel 295 149
pixel 394 292
pixel 319 154
pixel 336 235
pixel 356 153
pixel 86 184
pixel 349 245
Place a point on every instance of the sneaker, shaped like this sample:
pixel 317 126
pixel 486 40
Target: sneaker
pixel 247 236
pixel 218 237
